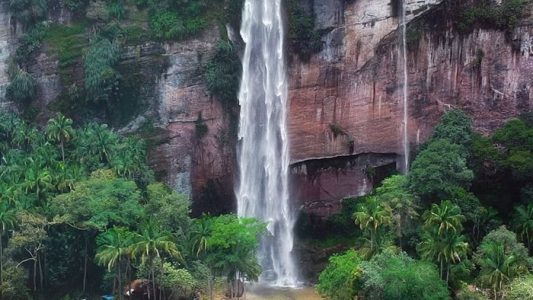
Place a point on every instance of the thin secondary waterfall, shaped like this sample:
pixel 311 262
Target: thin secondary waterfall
pixel 403 52
pixel 263 154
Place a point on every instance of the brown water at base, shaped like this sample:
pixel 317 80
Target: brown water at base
pixel 269 293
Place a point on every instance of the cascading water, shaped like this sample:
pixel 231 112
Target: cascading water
pixel 403 55
pixel 263 154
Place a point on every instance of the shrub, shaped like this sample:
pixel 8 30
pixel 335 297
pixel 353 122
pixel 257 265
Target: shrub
pixel 303 38
pixel 520 288
pixel 75 5
pixel 339 281
pixel 223 72
pixel 100 76
pixel 115 10
pixel 28 12
pixel 29 42
pixel 397 276
pixel 166 25
pixel 488 14
pixel 22 87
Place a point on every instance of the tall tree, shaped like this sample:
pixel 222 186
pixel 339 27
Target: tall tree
pixel 372 216
pixel 114 249
pixel 152 243
pixel 442 241
pixel 60 130
pixel 522 223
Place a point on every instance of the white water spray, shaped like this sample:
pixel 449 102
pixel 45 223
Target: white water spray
pixel 403 52
pixel 263 154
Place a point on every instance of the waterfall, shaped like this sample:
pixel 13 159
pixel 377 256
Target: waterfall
pixel 263 154
pixel 403 54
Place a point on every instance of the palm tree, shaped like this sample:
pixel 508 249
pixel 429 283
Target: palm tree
pixel 497 268
pixel 523 223
pixel 394 191
pixel 8 220
pixel 372 216
pixel 60 130
pixel 200 233
pixel 38 181
pixel 446 217
pixel 443 248
pixel 114 246
pixel 152 243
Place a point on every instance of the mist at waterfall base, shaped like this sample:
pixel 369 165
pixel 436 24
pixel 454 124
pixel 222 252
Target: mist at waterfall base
pixel 263 153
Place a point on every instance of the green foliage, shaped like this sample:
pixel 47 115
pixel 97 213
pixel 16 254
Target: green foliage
pixel 75 5
pixel 439 169
pixel 397 276
pixel 339 281
pixel 522 223
pixel 231 247
pixel 304 40
pixel 394 192
pixel 520 288
pixel 442 241
pixel 454 126
pixel 482 13
pixel 22 87
pixel 179 282
pixel 14 286
pixel 99 202
pixel 28 12
pixel 67 42
pixel 501 258
pixel 115 9
pixel 101 77
pixel 374 218
pixel 223 73
pixel 29 43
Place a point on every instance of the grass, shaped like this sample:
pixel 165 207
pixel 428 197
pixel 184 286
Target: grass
pixel 68 43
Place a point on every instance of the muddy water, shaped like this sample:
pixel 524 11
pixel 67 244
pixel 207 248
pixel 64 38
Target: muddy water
pixel 268 293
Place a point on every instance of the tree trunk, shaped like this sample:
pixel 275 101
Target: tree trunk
pixel 119 282
pixel 1 258
pixel 35 274
pixel 85 263
pixel 61 144
pixel 41 274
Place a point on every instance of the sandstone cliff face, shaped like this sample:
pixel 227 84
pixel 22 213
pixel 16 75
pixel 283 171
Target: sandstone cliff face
pixel 347 101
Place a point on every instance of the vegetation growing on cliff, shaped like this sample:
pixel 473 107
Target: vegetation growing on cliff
pixel 304 39
pixel 483 13
pixel 447 215
pixel 82 215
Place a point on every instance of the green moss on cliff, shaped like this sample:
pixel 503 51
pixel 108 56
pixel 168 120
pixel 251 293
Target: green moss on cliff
pixel 68 43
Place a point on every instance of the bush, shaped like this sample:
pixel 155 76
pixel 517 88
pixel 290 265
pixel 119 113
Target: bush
pixel 488 14
pixel 439 169
pixel 100 76
pixel 29 42
pixel 22 87
pixel 75 5
pixel 339 281
pixel 397 276
pixel 115 10
pixel 166 25
pixel 520 288
pixel 223 73
pixel 303 38
pixel 454 126
pixel 28 12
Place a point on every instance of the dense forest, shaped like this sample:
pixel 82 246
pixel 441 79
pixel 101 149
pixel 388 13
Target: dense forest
pixel 459 224
pixel 81 213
